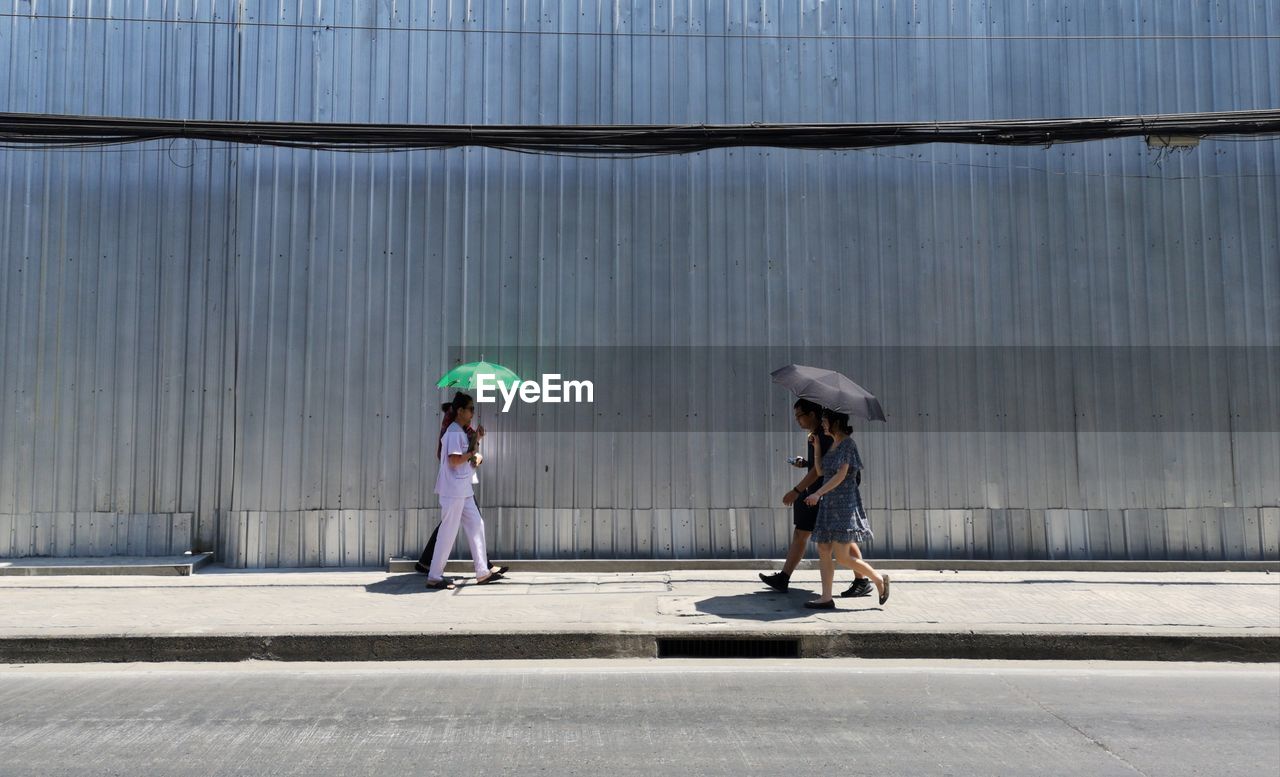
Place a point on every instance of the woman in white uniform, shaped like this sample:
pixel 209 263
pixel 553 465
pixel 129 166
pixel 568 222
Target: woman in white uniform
pixel 459 458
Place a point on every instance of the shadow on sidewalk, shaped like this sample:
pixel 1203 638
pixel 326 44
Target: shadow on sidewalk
pixel 396 585
pixel 769 605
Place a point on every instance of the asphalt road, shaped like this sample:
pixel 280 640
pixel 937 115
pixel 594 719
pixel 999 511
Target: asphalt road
pixel 642 718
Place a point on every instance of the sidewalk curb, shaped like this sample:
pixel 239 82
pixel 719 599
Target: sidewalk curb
pixel 570 645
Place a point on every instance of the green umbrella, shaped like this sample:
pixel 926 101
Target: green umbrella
pixel 465 375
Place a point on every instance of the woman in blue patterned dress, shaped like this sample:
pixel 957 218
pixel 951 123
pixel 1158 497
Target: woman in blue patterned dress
pixel 841 518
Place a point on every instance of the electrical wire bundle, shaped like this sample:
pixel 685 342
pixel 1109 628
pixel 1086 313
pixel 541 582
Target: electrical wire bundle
pixel 59 131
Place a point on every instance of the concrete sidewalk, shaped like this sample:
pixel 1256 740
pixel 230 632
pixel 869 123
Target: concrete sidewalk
pixel 221 614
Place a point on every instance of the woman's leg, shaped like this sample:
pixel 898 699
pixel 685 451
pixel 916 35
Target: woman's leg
pixel 828 568
pixel 844 555
pixel 450 517
pixel 473 525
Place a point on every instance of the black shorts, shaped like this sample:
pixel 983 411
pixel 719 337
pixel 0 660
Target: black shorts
pixel 802 515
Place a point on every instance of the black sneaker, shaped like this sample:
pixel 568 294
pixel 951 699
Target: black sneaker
pixel 778 581
pixel 861 587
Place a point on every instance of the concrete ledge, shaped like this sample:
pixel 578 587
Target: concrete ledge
pixel 1044 646
pixel 435 647
pixel 167 566
pixel 401 565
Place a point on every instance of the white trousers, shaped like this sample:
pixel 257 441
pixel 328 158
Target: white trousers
pixel 455 512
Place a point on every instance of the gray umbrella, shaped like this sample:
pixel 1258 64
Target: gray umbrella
pixel 829 389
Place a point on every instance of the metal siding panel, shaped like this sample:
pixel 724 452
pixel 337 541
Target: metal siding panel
pixel 624 541
pixel 390 540
pixel 1059 533
pixel 661 532
pixel 1078 535
pixel 1177 532
pixel 349 538
pixel 331 526
pixel 370 554
pixel 740 529
pixel 292 552
pixel 253 539
pixel 1269 520
pixel 272 539
pixel 575 533
pixel 25 535
pixel 1156 531
pixel 722 533
pixel 182 533
pixel 603 533
pixel 919 534
pixel 938 528
pixel 1039 534
pixel 124 540
pixel 1099 534
pixel 234 526
pixel 980 532
pixel 703 545
pixel 961 533
pixel 566 533
pixel 1118 539
pixel 1021 540
pixel 1252 535
pixel 1203 539
pixel 501 532
pixel 580 530
pixel 895 534
pixel 524 533
pixel 64 527
pixel 413 538
pixel 101 535
pixel 1001 537
pixel 334 361
pixel 1233 530
pixel 43 532
pixel 544 540
pixel 312 529
pixel 1135 534
pixel 44 411
pixel 642 523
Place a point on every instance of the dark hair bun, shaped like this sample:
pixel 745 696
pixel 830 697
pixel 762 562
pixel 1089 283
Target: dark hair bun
pixel 461 400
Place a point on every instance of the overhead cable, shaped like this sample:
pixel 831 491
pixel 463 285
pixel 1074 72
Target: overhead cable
pixel 62 131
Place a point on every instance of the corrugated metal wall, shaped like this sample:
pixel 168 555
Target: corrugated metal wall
pixel 252 335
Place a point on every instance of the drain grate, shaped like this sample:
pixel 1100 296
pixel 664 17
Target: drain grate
pixel 728 648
